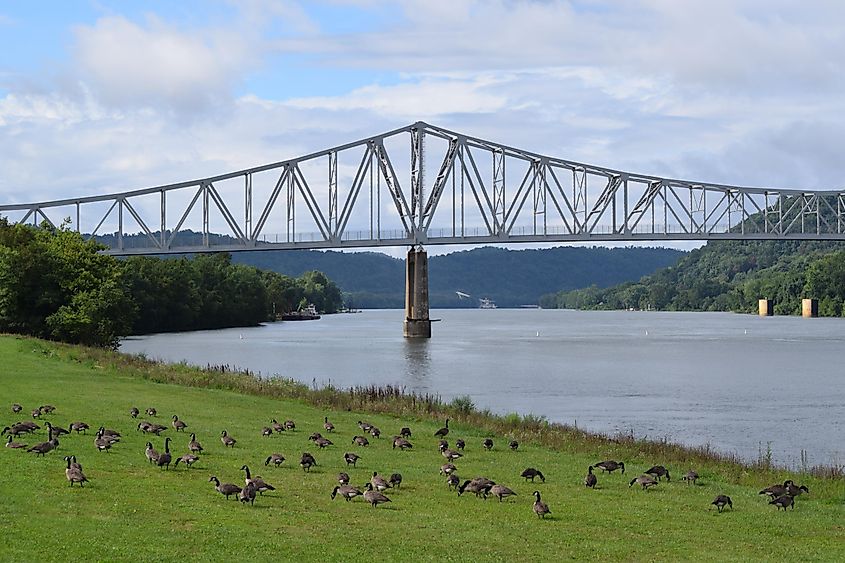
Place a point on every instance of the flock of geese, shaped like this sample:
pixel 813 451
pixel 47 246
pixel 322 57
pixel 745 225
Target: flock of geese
pixel 782 496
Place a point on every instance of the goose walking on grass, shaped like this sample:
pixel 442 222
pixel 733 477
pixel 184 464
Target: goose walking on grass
pixel 346 491
pixel 500 491
pixel 659 471
pixel 328 425
pixel 151 453
pixel 193 445
pixel 610 466
pixel 247 494
pixel 343 478
pixel 453 481
pixel 307 461
pixel 134 412
pixel 16 408
pixel 691 477
pixel 531 473
pixel 374 497
pixel 443 432
pixel 257 481
pixel 793 490
pixel 277 426
pixel 395 480
pixel 488 444
pixel 513 445
pixel 45 447
pixel 56 430
pixel 379 482
pixel 645 481
pixel 225 489
pixel 323 442
pixel 460 444
pixel 351 458
pixel 479 486
pixel 402 443
pixel 165 458
pixel 266 431
pixel 275 459
pixel 590 480
pixel 375 432
pixel 290 425
pixel 74 474
pixel 450 455
pixel 721 501
pixel 179 425
pixel 448 468
pixel 78 427
pixel 784 502
pixel 776 491
pixel 228 441
pixel 360 441
pixel 405 432
pixel 188 459
pixel 151 412
pixel 540 507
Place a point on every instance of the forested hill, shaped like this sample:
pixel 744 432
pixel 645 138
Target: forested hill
pixel 730 276
pixel 508 277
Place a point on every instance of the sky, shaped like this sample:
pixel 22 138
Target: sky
pixel 102 96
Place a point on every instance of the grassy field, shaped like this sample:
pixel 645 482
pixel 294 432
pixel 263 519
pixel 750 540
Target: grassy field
pixel 131 510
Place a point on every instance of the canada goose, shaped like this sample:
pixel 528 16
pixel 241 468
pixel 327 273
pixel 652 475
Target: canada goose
pixel 396 480
pixel 659 471
pixel 290 425
pixel 460 444
pixel 226 489
pixel 346 491
pixel 590 480
pixel 134 412
pixel 784 502
pixel 56 430
pixel 452 481
pixel 722 500
pixel 46 409
pixel 361 441
pixel 16 408
pixel 405 432
pixel 402 443
pixel 794 491
pixel 113 434
pixel 500 491
pixel 351 458
pixel 259 483
pixel 14 445
pixel 74 474
pixel 36 413
pixel 375 432
pixel 151 411
pixel 448 468
pixel 247 494
pixel 443 431
pixel 165 458
pixel 540 507
pixel 645 481
pixel 74 463
pixel 691 477
pixel 266 431
pixel 26 426
pixel 227 440
pixel 277 426
pixel 178 424
pixel 513 445
pixel 151 427
pixel 323 442
pixel 479 486
pixel 307 461
pixel 328 425
pixel 374 497
pixel 610 466
pixel 343 478
pixel 379 482
pixel 275 459
pixel 193 445
pixel 531 473
pixel 442 444
pixel 365 426
pixel 451 455
pixel 488 444
pixel 188 459
pixel 103 442
pixel 150 453
pixel 44 447
pixel 78 427
pixel 315 436
pixel 776 491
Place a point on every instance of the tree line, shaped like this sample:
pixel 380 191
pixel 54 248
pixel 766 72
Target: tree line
pixel 56 285
pixel 729 276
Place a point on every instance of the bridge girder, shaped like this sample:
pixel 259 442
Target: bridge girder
pixel 373 193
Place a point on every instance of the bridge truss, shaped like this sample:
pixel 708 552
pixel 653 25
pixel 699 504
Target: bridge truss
pixel 424 185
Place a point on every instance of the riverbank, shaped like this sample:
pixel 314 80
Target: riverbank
pixel 131 510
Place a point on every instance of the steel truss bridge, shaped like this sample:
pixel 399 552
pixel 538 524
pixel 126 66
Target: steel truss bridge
pixel 425 185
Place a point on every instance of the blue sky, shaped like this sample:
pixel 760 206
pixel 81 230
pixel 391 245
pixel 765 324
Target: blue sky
pixel 99 96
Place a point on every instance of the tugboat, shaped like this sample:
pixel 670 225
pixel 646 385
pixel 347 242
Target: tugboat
pixel 308 313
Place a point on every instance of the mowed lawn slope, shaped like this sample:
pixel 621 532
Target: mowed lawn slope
pixel 131 510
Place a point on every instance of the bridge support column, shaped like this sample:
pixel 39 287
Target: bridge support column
pixel 809 308
pixel 765 307
pixel 417 322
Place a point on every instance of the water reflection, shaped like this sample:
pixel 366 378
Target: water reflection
pixel 418 363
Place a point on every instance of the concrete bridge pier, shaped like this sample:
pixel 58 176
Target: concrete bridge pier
pixel 417 323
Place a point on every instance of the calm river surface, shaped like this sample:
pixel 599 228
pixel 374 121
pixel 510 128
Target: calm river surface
pixel 737 382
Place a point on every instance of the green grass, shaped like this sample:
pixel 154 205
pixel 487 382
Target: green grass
pixel 133 511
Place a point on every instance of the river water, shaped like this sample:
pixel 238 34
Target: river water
pixel 740 383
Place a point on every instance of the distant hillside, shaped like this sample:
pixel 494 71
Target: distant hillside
pixel 730 276
pixel 509 277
